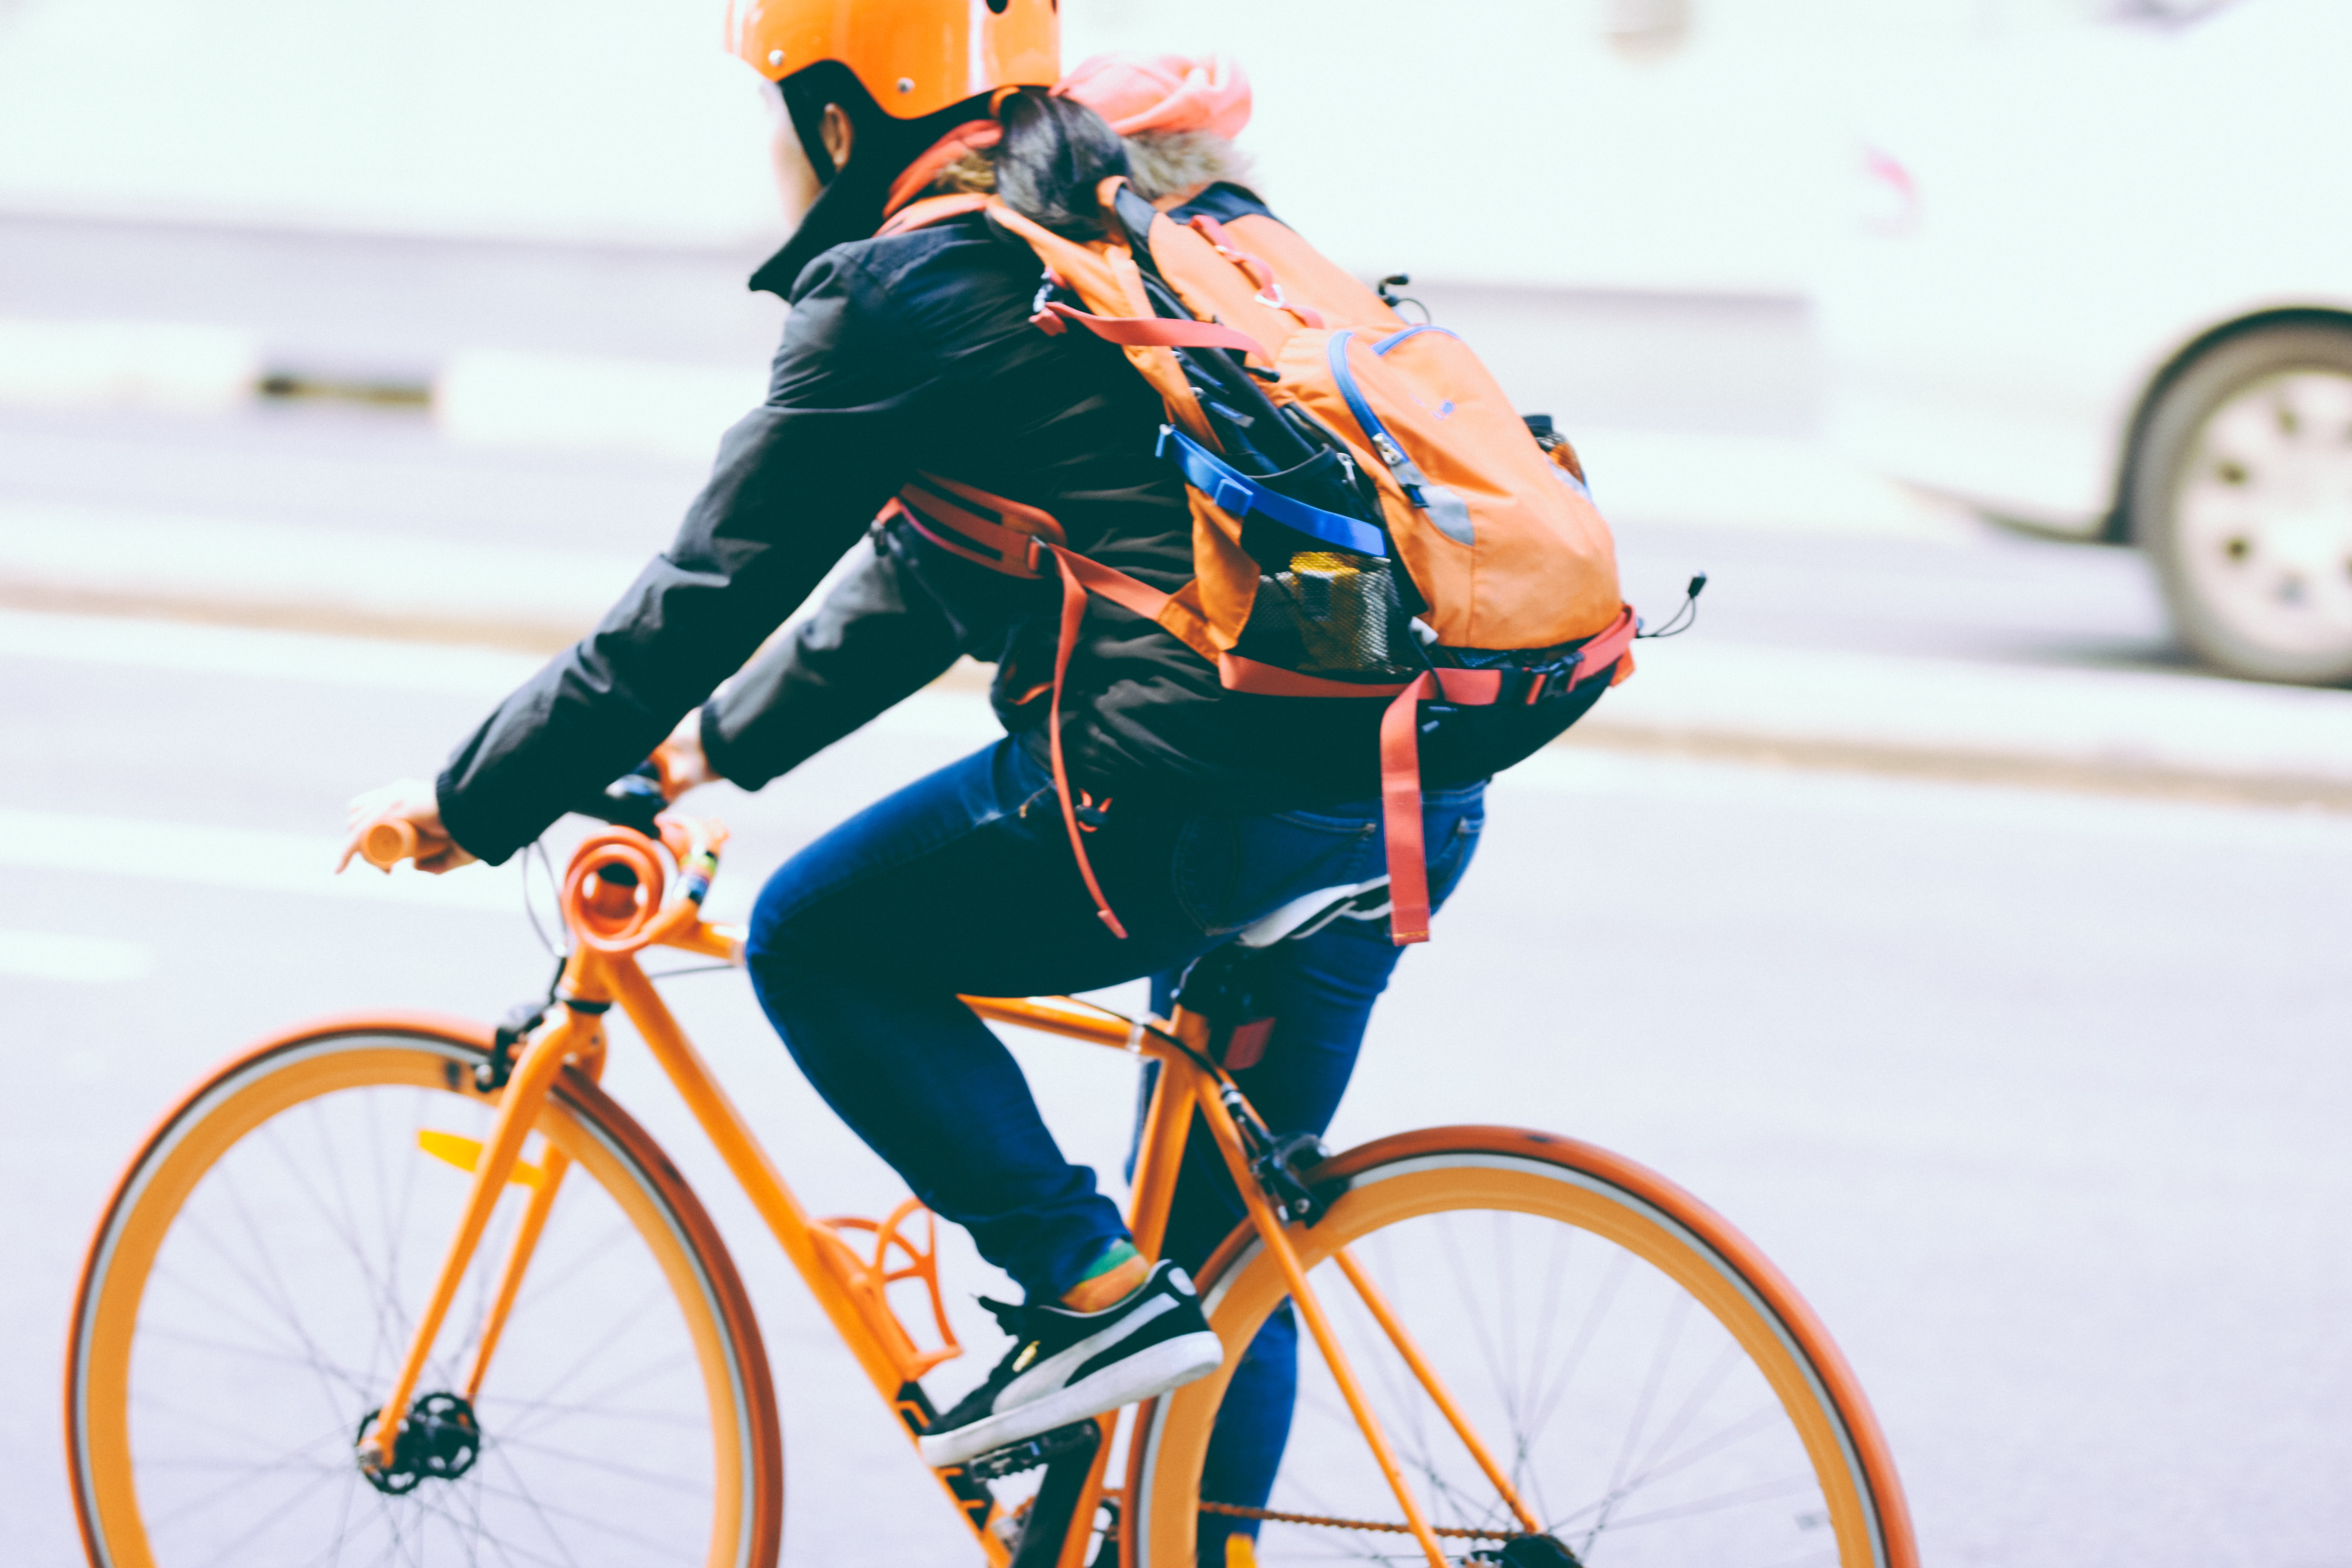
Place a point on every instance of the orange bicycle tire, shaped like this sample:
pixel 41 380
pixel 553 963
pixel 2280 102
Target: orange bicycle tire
pixel 1472 1167
pixel 429 1052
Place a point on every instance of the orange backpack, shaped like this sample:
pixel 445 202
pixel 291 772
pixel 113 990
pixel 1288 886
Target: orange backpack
pixel 1370 518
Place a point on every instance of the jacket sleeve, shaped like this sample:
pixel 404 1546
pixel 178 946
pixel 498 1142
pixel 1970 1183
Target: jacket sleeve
pixel 795 483
pixel 876 640
pixel 891 626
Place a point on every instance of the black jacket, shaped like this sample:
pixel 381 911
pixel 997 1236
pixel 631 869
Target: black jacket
pixel 906 355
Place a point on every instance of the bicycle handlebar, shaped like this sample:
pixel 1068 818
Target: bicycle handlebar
pixel 631 801
pixel 387 843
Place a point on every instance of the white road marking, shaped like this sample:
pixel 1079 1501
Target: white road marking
pixel 570 402
pixel 91 960
pixel 195 649
pixel 168 366
pixel 245 859
pixel 959 712
pixel 1595 772
pixel 247 561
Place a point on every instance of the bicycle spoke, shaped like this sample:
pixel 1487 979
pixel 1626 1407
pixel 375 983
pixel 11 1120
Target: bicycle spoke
pixel 1669 1335
pixel 333 1556
pixel 345 1228
pixel 227 1553
pixel 591 1406
pixel 545 1281
pixel 619 1331
pixel 1626 1417
pixel 283 1302
pixel 322 1221
pixel 537 1414
pixel 1528 1480
pixel 1709 1381
pixel 1767 1491
pixel 607 1467
pixel 1753 1424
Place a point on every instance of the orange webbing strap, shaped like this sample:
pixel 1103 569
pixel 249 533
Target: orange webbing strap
pixel 1105 277
pixel 1080 576
pixel 1401 790
pixel 1401 764
pixel 956 509
pixel 898 507
pixel 1269 287
pixel 1400 726
pixel 1401 747
pixel 1239 674
pixel 1148 331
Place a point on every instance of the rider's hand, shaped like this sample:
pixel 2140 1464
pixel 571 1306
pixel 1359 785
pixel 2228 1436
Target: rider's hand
pixel 680 759
pixel 412 801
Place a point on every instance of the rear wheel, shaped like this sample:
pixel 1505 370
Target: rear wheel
pixel 2241 490
pixel 252 1288
pixel 1654 1391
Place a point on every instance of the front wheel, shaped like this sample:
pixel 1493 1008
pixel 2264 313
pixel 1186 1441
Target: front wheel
pixel 251 1289
pixel 1651 1387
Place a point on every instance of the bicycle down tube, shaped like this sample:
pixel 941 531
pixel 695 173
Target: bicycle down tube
pixel 603 972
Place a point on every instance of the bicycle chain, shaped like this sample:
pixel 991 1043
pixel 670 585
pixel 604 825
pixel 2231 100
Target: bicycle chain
pixel 1237 1510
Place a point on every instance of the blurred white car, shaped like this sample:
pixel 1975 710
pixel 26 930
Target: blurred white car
pixel 2102 284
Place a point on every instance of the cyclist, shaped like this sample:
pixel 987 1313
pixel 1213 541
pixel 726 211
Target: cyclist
pixel 1206 809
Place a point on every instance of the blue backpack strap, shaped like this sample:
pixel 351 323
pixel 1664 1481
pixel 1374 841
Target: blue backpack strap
pixel 1238 494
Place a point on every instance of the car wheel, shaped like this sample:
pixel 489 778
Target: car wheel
pixel 2242 492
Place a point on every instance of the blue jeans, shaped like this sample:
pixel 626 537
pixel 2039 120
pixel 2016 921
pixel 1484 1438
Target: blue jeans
pixel 963 882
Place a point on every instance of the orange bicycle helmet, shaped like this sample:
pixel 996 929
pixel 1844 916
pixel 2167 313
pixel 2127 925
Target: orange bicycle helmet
pixel 914 57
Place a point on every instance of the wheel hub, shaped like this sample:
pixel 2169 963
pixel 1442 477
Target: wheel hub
pixel 439 1441
pixel 2266 509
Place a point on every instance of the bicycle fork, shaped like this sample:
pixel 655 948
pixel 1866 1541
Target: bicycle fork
pixel 579 1034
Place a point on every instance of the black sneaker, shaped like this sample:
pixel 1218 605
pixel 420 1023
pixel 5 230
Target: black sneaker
pixel 1066 1366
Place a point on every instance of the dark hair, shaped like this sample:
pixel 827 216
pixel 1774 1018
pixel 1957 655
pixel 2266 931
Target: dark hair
pixel 1056 151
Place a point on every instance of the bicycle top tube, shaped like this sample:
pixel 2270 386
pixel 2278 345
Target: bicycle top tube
pixel 614 893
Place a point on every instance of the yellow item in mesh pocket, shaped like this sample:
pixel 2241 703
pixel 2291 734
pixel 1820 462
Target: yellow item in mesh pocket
pixel 1343 612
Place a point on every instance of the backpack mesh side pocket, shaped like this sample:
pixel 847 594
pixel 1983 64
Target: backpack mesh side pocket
pixel 1325 611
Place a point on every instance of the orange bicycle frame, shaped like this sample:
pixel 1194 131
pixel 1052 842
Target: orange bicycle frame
pixel 612 918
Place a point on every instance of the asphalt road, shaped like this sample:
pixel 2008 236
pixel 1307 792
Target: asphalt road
pixel 2037 1097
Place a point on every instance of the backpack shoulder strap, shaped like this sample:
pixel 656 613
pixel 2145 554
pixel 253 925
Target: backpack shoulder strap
pixel 1104 275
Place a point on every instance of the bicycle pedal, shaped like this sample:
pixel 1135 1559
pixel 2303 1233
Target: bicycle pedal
pixel 1031 1452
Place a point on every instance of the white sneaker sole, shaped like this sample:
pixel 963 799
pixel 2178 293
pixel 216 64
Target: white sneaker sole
pixel 1172 1363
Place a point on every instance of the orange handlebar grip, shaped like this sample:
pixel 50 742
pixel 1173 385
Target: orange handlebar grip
pixel 388 843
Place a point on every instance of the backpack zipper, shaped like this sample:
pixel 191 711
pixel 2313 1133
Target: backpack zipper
pixel 1445 510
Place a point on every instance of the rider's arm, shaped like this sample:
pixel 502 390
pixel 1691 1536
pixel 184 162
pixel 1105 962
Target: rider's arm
pixel 876 639
pixel 796 482
pixel 894 624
